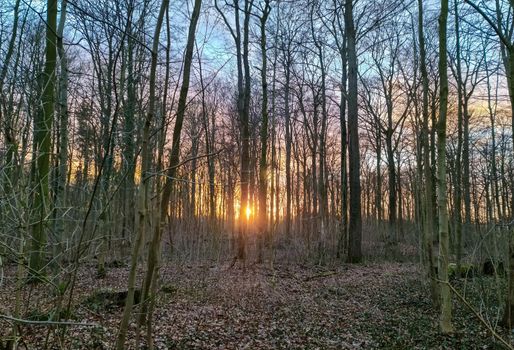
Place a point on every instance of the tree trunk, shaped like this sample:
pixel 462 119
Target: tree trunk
pixel 154 252
pixel 263 164
pixel 42 141
pixel 458 164
pixel 60 190
pixel 392 187
pixel 6 119
pixel 508 317
pixel 288 143
pixel 128 145
pixel 355 224
pixel 428 224
pixel 145 187
pixel 244 114
pixel 446 302
pixel 342 241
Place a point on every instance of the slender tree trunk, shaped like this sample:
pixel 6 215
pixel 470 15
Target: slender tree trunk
pixel 274 195
pixel 494 165
pixel 446 303
pixel 508 317
pixel 145 186
pixel 343 234
pixel 263 164
pixel 128 145
pixel 6 119
pixel 378 187
pixel 428 224
pixel 458 164
pixel 288 142
pixel 321 185
pixel 154 253
pixel 209 147
pixel 392 188
pixel 465 182
pixel 60 191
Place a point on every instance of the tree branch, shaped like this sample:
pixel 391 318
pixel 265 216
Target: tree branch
pixel 501 36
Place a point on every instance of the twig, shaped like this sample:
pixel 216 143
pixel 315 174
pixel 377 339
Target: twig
pixel 185 161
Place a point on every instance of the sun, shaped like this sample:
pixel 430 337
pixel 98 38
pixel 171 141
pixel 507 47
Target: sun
pixel 248 212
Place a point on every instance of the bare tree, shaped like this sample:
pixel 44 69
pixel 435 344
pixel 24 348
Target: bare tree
pixel 243 107
pixel 142 219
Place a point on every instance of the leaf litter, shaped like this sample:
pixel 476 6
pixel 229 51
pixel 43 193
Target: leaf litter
pixel 289 306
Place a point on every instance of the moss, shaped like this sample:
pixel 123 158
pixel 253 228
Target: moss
pixel 465 271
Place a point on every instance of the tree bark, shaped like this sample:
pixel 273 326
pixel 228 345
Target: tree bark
pixel 61 176
pixel 42 140
pixel 263 163
pixel 446 303
pixel 355 221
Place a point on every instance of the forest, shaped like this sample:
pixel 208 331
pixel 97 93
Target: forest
pixel 256 174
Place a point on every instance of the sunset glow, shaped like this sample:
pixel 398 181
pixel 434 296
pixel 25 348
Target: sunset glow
pixel 248 212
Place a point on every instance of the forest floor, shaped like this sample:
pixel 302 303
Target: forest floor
pixel 368 306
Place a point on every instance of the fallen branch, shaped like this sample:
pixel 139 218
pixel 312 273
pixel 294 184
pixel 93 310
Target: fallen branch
pixel 47 323
pixel 477 314
pixel 320 275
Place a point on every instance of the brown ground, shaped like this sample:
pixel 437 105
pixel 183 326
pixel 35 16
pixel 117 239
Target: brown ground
pixel 286 307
